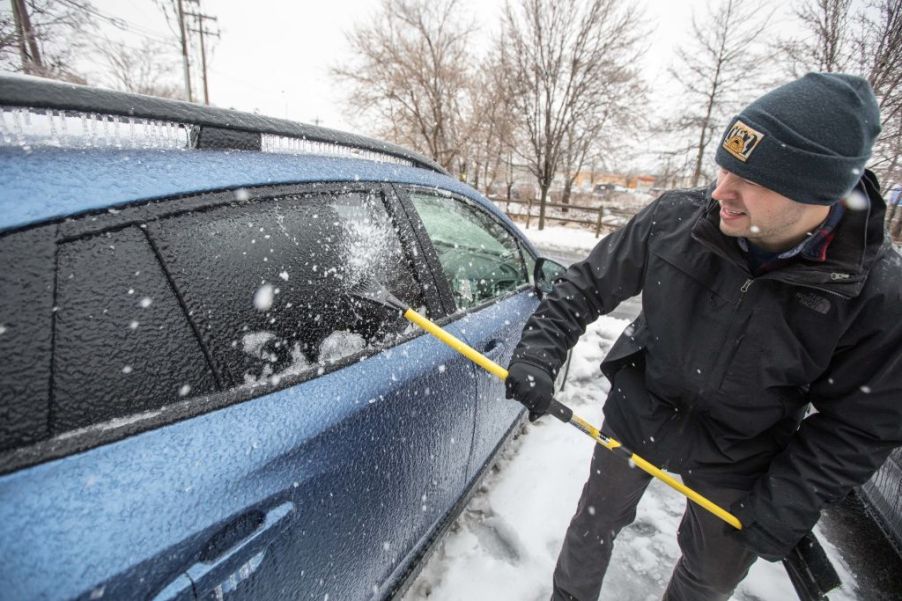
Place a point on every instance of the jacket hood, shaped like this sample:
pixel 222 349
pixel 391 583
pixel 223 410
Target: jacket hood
pixel 859 241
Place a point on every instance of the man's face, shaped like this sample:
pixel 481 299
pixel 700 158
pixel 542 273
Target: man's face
pixel 766 218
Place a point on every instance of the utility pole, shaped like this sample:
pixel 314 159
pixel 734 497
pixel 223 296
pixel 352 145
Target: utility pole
pixel 203 31
pixel 184 37
pixel 29 50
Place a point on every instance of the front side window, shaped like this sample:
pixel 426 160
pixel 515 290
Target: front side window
pixel 480 258
pixel 267 283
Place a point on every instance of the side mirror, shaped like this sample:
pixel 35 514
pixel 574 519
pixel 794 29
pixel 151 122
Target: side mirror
pixel 545 273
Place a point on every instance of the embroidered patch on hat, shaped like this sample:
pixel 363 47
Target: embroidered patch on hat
pixel 741 140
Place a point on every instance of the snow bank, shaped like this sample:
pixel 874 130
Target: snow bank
pixel 561 239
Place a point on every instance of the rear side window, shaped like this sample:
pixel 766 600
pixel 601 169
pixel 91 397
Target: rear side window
pixel 267 283
pixel 114 325
pixel 122 342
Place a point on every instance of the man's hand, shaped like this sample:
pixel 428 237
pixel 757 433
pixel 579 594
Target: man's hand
pixel 531 385
pixel 757 541
pixel 755 538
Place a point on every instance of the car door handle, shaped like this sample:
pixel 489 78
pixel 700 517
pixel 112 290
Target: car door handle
pixel 494 348
pixel 243 558
pixel 232 565
pixel 180 589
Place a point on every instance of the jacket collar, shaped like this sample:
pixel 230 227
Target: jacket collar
pixel 859 241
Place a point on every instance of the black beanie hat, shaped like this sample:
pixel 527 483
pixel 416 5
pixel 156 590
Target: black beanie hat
pixel 807 140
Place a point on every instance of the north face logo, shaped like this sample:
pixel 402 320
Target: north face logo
pixel 814 302
pixel 741 140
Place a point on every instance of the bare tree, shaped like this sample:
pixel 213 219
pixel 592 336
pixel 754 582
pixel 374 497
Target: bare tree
pixel 412 69
pixel 576 145
pixel 591 130
pixel 566 61
pixel 878 44
pixel 672 169
pixel 872 34
pixel 42 37
pixel 722 62
pixel 488 124
pixel 824 46
pixel 146 69
pixel 582 142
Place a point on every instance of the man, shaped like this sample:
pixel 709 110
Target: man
pixel 769 291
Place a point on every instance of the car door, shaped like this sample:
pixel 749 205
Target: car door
pixel 883 492
pixel 488 279
pixel 224 421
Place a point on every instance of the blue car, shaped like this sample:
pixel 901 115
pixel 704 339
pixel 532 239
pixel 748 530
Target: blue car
pixel 193 403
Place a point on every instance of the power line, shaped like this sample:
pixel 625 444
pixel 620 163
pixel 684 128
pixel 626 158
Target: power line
pixel 181 34
pixel 123 24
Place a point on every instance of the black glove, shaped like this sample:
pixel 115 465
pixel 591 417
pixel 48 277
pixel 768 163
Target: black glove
pixel 754 537
pixel 531 385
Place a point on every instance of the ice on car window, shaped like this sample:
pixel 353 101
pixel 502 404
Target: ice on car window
pixel 26 279
pixel 265 346
pixel 122 343
pixel 266 282
pixel 340 344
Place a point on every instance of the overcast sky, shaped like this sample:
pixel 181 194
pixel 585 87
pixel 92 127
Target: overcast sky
pixel 274 56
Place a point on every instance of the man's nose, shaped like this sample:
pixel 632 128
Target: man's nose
pixel 726 186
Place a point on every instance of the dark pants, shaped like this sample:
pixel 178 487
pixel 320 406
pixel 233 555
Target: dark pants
pixel 712 563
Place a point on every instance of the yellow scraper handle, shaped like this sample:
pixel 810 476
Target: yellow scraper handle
pixel 563 413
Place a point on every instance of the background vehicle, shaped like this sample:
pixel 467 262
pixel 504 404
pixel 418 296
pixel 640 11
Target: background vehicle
pixel 192 406
pixel 883 497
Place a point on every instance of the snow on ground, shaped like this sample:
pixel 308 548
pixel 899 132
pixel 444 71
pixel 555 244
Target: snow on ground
pixel 561 239
pixel 505 543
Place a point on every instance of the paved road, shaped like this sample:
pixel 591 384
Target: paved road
pixel 870 556
pixel 846 525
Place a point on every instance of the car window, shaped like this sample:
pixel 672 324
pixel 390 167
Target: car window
pixel 122 343
pixel 478 255
pixel 26 281
pixel 267 282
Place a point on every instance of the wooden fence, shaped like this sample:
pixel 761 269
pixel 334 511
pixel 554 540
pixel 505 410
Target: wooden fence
pixel 614 217
pixel 596 217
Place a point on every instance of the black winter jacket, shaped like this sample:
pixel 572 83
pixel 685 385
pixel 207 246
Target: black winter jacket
pixel 714 376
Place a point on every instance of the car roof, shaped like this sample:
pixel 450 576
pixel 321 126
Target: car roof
pixel 43 183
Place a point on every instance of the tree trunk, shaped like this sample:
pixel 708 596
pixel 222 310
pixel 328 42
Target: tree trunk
pixel 697 172
pixel 542 200
pixel 565 197
pixel 893 221
pixel 28 44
